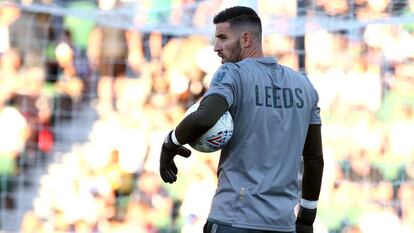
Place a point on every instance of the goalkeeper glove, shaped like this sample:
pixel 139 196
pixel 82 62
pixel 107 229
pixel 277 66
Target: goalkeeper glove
pixel 168 169
pixel 305 219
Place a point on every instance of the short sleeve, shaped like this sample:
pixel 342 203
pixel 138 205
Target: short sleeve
pixel 315 112
pixel 224 83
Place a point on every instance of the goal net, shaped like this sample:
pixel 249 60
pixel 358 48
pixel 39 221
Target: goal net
pixel 89 89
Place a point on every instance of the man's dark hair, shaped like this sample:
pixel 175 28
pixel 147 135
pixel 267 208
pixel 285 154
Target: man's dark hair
pixel 239 16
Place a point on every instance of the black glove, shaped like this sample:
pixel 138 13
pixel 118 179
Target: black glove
pixel 305 219
pixel 168 169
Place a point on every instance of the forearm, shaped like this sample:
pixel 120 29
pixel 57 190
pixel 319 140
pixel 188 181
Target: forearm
pixel 313 164
pixel 195 124
pixel 312 178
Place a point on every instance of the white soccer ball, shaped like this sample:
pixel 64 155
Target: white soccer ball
pixel 217 136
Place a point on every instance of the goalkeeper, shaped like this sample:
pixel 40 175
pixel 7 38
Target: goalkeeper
pixel 276 120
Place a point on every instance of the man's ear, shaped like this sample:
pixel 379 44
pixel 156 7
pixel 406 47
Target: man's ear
pixel 246 39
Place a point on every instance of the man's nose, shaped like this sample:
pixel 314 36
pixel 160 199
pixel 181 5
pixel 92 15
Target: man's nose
pixel 217 47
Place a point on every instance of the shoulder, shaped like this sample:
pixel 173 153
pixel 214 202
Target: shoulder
pixel 294 72
pixel 227 71
pixel 230 66
pixel 290 70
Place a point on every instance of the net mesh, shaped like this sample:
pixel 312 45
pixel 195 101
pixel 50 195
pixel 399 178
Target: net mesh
pixel 88 91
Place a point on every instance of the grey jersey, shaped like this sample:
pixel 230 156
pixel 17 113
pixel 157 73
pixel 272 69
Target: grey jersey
pixel 272 107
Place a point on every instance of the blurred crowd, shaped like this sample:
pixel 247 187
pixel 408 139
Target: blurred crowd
pixel 141 83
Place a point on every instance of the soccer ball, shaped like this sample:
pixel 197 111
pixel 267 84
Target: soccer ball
pixel 217 136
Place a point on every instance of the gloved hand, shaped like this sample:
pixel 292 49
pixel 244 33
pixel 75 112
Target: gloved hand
pixel 168 169
pixel 305 219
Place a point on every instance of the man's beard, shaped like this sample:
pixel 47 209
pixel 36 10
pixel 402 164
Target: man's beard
pixel 235 53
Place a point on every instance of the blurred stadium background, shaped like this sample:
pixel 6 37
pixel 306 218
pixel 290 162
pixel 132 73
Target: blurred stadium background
pixel 89 89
